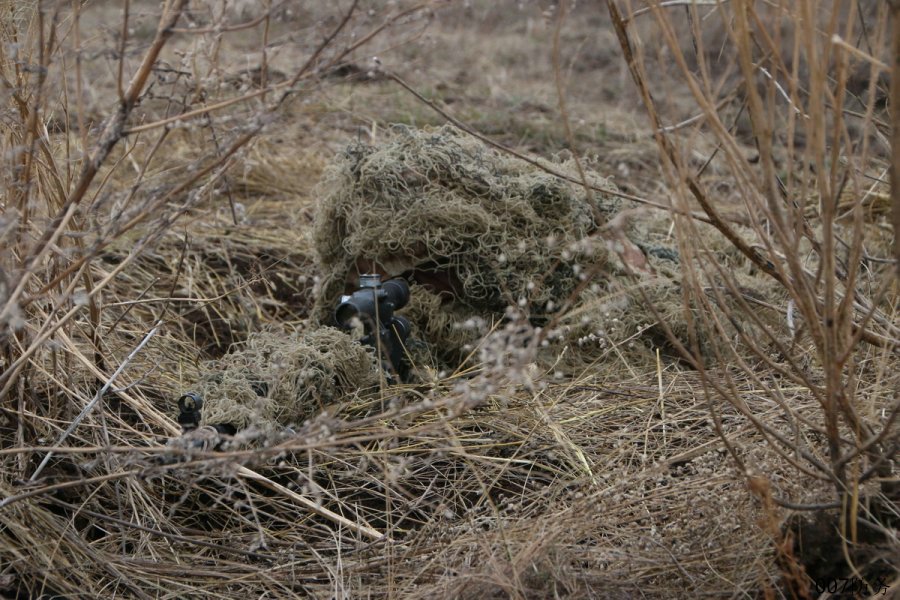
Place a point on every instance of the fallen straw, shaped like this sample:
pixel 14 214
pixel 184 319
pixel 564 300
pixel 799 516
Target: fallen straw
pixel 314 507
pixel 100 393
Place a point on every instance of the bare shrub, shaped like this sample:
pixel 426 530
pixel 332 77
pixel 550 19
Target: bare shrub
pixel 801 149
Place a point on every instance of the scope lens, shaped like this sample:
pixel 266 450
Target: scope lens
pixel 401 327
pixel 190 402
pixel 397 291
pixel 344 313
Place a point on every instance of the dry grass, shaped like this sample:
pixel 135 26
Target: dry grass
pixel 136 246
pixel 590 485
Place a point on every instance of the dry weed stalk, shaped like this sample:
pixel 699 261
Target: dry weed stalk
pixel 802 172
pixel 895 131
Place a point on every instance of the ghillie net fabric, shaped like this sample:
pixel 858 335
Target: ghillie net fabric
pixel 482 231
pixel 483 237
pixel 441 202
pixel 275 378
pixel 479 230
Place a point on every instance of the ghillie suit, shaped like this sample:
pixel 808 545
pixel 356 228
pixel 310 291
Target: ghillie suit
pixel 480 231
pixel 276 379
pixel 481 237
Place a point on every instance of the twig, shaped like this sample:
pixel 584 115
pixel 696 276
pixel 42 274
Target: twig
pixel 895 132
pixel 839 41
pixel 64 485
pixel 112 134
pixel 314 507
pixel 218 29
pixel 100 393
pixel 697 191
pixel 668 3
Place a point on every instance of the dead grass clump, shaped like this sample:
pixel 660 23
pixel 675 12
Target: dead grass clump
pixel 227 280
